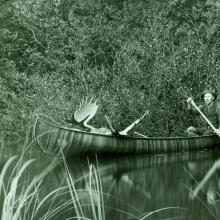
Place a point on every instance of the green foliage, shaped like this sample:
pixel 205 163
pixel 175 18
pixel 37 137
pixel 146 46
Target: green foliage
pixel 131 55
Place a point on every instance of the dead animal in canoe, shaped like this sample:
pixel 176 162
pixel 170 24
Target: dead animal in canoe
pixel 87 110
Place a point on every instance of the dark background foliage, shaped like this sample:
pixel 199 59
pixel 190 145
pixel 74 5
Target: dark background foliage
pixel 130 55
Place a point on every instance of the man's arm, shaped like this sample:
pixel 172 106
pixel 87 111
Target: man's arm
pixel 192 108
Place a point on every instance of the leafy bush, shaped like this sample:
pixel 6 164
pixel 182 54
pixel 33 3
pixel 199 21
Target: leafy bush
pixel 131 55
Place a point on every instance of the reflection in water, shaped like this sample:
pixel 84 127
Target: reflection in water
pixel 137 185
pixel 206 185
pixel 174 186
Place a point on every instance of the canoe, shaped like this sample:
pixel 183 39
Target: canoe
pixel 54 138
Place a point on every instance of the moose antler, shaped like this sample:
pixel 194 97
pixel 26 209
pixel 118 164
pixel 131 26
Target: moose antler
pixel 86 110
pixel 84 113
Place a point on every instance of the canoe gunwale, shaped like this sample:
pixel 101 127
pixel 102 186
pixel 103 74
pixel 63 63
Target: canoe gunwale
pixel 59 126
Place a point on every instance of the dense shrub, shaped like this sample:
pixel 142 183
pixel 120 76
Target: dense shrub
pixel 131 55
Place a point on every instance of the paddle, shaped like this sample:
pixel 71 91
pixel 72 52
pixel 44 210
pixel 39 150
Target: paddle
pixel 206 119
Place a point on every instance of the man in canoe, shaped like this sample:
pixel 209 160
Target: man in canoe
pixel 86 112
pixel 210 111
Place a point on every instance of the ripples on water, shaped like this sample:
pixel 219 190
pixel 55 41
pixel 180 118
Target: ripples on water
pixel 157 187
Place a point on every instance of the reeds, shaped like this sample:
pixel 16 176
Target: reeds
pixel 20 199
pixel 90 199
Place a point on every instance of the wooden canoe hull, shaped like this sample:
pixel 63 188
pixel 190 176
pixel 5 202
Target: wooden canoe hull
pixel 53 138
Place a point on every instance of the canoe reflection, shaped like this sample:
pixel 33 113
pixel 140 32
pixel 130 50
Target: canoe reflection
pixel 116 170
pixel 134 184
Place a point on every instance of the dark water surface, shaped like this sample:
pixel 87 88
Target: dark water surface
pixel 133 187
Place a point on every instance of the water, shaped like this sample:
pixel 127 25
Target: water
pixel 132 187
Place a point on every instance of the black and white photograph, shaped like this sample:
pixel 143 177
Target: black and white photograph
pixel 109 109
